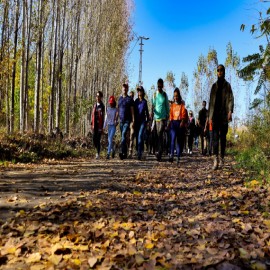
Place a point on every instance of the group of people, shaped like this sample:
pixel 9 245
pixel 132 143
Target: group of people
pixel 166 119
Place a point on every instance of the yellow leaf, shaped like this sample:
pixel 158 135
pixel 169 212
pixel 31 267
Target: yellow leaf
pixel 245 212
pixel 131 250
pixel 267 223
pixel 149 245
pixel 11 250
pixel 127 226
pixel 215 215
pixel 34 257
pixel 77 261
pixel 137 193
pixel 37 267
pixel 151 212
pixel 55 259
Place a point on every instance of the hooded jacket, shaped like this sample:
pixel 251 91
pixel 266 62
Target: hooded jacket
pixel 227 101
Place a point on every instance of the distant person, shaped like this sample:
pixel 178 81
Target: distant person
pixel 184 137
pixel 221 107
pixel 141 119
pixel 178 118
pixel 111 122
pixel 190 131
pixel 160 112
pixel 97 122
pixel 201 121
pixel 126 115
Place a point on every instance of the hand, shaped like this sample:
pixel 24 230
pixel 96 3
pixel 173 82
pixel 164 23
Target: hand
pixel 230 116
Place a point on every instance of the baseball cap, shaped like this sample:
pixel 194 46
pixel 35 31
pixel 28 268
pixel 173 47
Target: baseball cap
pixel 111 100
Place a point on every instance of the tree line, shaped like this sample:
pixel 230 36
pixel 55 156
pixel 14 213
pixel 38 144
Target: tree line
pixel 54 55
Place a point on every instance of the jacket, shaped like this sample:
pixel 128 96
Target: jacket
pixel 97 117
pixel 227 101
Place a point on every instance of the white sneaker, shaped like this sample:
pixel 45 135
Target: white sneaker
pixel 97 156
pixel 190 152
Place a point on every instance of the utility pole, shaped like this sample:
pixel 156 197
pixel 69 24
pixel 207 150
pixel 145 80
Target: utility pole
pixel 141 51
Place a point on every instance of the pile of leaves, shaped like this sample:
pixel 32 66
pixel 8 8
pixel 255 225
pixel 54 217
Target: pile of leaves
pixel 157 216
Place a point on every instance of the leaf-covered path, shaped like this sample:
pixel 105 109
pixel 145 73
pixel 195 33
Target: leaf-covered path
pixel 132 215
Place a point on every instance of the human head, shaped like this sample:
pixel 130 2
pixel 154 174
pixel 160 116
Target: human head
pixel 125 89
pixel 190 113
pixel 221 71
pixel 160 84
pixel 141 93
pixel 112 102
pixel 204 104
pixel 131 94
pixel 99 96
pixel 176 95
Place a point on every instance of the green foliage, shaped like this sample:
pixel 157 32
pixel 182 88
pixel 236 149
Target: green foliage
pixel 254 146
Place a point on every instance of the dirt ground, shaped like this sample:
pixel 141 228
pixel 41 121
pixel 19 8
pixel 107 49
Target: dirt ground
pixel 132 215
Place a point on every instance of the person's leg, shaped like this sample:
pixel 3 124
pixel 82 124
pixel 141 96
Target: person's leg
pixel 223 134
pixel 124 139
pixel 172 139
pixel 160 130
pixel 140 140
pixel 98 142
pixel 131 140
pixel 95 142
pixel 216 130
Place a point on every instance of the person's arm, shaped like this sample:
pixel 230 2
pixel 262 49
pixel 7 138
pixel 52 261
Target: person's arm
pixel 167 107
pixel 230 104
pixel 146 111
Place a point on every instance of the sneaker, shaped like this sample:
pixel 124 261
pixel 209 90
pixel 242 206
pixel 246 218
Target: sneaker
pixel 97 156
pixel 171 158
pixel 108 156
pixel 190 152
pixel 121 156
pixel 215 166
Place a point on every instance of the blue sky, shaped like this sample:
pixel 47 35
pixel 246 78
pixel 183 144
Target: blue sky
pixel 180 31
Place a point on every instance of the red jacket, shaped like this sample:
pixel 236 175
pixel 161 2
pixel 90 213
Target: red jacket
pixel 97 117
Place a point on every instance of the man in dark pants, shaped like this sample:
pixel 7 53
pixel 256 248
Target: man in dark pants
pixel 126 115
pixel 201 121
pixel 160 112
pixel 221 106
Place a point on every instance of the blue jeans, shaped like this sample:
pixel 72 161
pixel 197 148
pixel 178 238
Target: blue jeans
pixel 140 128
pixel 176 134
pixel 124 127
pixel 111 133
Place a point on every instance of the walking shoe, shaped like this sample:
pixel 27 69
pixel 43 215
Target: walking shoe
pixel 170 158
pixel 121 156
pixel 190 152
pixel 97 156
pixel 108 156
pixel 215 166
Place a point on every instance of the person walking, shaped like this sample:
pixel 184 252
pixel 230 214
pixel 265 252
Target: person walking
pixel 160 112
pixel 111 121
pixel 177 120
pixel 190 131
pixel 126 115
pixel 221 107
pixel 97 122
pixel 141 119
pixel 201 121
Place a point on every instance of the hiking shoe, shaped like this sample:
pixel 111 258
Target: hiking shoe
pixel 121 156
pixel 108 156
pixel 215 166
pixel 97 156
